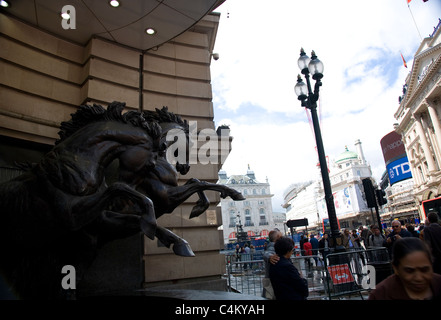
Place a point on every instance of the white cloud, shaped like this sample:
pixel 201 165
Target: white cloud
pixel 359 43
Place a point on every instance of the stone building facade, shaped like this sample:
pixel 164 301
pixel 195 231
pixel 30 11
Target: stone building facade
pixel 419 123
pixel 255 214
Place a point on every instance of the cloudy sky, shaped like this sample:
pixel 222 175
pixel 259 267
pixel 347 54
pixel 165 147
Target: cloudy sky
pixel 359 43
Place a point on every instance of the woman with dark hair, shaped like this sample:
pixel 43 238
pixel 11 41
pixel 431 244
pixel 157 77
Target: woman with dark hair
pixel 413 277
pixel 285 278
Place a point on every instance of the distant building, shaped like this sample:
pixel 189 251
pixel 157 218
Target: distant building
pixel 346 174
pixel 301 202
pixel 255 214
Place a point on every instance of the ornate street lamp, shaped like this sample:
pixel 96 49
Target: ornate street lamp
pixel 314 67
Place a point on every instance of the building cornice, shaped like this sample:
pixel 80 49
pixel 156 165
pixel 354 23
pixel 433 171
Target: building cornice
pixel 418 96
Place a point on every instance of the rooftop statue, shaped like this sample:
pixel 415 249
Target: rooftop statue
pixel 62 210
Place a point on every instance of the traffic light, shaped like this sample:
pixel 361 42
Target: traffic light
pixel 369 192
pixel 381 200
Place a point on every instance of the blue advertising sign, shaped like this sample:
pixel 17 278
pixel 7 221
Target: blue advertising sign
pixel 399 170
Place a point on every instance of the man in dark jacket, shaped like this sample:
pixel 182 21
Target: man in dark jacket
pixel 285 278
pixel 432 236
pixel 396 234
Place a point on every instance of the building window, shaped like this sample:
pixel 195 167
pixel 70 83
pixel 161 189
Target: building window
pixel 232 219
pixel 262 221
pixel 248 222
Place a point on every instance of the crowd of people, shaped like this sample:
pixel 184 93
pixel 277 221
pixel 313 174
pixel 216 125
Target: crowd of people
pixel 415 255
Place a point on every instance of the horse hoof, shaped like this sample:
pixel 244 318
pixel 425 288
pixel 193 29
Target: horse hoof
pixel 183 249
pixel 237 196
pixel 148 229
pixel 197 211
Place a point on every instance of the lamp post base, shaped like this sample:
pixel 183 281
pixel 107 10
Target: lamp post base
pixel 337 243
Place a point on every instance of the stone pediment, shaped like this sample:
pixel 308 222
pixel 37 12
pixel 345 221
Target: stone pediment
pixel 423 77
pixel 424 62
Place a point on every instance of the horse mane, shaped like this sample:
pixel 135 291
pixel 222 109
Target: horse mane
pixel 163 115
pixel 87 114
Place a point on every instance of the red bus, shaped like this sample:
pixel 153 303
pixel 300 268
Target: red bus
pixel 432 205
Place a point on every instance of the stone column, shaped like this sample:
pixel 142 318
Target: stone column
pixel 431 106
pixel 411 159
pixel 426 148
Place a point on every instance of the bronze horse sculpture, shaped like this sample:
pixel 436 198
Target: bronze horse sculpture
pixel 161 183
pixel 62 209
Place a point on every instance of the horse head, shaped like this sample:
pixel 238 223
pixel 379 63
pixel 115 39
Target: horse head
pixel 175 142
pixel 92 139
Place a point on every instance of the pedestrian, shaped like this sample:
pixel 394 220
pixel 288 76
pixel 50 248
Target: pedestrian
pixel 246 251
pixel 347 240
pixel 376 239
pixel 307 252
pixel 364 233
pixel 411 229
pixel 315 245
pixel 356 246
pixel 270 257
pixel 303 238
pixel 307 247
pixel 252 251
pixel 413 277
pixel 324 247
pixel 286 280
pixel 432 236
pixel 356 239
pixel 396 234
pixel 238 253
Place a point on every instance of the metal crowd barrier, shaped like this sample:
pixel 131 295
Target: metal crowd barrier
pixel 356 271
pixel 330 275
pixel 245 273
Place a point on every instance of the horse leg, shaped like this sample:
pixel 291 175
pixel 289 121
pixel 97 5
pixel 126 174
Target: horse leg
pixel 201 205
pixel 113 225
pixel 177 195
pixel 223 190
pixel 81 208
pixel 180 246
